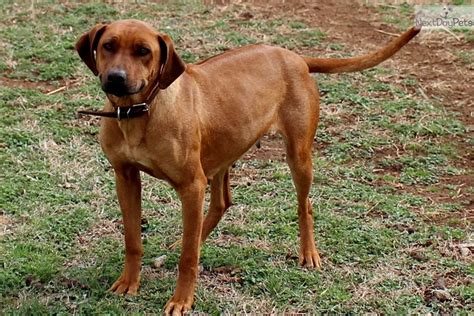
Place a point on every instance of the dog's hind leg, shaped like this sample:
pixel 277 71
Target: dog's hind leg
pixel 298 126
pixel 299 160
pixel 220 202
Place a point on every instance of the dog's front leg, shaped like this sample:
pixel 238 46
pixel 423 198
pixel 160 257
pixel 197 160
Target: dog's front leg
pixel 192 199
pixel 129 195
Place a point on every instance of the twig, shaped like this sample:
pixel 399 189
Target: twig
pixel 397 150
pixel 422 92
pixel 387 5
pixel 371 209
pixel 57 90
pixel 451 33
pixel 387 33
pixel 32 8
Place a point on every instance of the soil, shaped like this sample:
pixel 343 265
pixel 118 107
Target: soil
pixel 43 86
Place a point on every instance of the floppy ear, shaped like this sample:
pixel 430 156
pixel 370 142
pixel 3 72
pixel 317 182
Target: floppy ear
pixel 171 65
pixel 87 45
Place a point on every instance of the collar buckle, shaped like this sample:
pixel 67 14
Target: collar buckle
pixel 144 105
pixel 132 111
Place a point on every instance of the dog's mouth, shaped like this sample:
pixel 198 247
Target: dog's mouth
pixel 122 89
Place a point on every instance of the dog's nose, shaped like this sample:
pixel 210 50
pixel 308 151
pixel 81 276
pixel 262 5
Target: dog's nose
pixel 116 76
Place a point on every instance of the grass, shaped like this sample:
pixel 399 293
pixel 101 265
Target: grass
pixel 384 154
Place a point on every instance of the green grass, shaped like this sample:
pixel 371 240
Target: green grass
pixel 384 158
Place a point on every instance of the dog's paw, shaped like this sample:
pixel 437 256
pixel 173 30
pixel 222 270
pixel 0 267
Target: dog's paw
pixel 125 286
pixel 177 307
pixel 310 260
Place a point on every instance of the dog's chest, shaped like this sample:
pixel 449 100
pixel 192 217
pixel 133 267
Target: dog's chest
pixel 146 158
pixel 157 148
pixel 138 155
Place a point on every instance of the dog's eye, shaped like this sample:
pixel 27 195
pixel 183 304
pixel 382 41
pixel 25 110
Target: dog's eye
pixel 143 51
pixel 108 47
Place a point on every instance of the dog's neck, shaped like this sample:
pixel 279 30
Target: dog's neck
pixel 126 101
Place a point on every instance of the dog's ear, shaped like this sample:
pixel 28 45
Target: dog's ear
pixel 87 45
pixel 171 65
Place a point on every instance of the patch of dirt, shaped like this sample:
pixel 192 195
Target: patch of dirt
pixel 460 219
pixel 43 86
pixel 9 224
pixel 47 87
pixel 103 228
pixel 4 225
pixel 270 147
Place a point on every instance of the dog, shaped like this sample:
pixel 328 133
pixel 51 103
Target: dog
pixel 188 123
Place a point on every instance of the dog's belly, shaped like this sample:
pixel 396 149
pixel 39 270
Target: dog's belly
pixel 234 129
pixel 226 148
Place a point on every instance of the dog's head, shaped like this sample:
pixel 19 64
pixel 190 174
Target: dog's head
pixel 129 56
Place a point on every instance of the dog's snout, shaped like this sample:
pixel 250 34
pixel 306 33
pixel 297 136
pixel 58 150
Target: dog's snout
pixel 117 76
pixel 117 82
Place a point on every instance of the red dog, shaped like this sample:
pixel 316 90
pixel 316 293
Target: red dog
pixel 203 119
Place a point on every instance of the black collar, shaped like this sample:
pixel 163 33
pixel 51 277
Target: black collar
pixel 120 113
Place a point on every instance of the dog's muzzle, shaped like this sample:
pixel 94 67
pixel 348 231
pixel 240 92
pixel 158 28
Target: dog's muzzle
pixel 116 83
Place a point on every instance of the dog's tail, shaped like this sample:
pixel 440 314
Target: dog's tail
pixel 336 65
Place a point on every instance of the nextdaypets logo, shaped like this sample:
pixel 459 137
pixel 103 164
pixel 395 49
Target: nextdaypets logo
pixel 444 16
